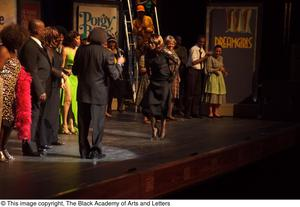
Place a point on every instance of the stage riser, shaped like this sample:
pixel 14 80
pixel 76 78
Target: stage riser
pixel 172 176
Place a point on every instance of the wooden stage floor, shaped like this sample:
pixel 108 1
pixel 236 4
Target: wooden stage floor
pixel 135 167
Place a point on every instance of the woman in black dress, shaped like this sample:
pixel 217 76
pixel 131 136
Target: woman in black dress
pixel 156 100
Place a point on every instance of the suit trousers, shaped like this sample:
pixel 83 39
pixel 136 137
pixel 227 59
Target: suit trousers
pixel 37 111
pixel 87 113
pixel 194 91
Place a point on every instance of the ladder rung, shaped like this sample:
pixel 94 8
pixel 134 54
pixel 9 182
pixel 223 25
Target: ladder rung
pixel 128 22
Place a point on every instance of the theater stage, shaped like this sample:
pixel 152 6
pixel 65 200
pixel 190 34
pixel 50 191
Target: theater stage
pixel 135 167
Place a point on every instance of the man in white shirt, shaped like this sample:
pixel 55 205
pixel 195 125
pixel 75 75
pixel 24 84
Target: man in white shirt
pixel 195 78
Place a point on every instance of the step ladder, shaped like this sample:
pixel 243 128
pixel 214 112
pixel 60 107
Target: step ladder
pixel 131 48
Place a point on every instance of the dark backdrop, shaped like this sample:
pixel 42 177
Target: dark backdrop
pixel 187 18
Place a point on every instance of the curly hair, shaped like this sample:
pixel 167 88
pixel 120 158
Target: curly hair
pixel 51 34
pixel 13 36
pixel 156 41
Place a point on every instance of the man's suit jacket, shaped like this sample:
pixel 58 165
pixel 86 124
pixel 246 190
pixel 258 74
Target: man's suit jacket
pixel 93 64
pixel 36 61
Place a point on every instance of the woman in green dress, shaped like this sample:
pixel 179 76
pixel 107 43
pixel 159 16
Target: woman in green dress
pixel 215 89
pixel 69 103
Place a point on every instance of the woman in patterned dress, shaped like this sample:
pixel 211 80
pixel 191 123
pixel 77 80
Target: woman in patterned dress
pixel 215 88
pixel 13 37
pixel 174 67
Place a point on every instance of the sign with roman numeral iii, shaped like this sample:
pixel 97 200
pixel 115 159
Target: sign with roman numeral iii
pixel 236 29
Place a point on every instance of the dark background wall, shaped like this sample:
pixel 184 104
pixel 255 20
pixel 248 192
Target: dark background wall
pixel 187 18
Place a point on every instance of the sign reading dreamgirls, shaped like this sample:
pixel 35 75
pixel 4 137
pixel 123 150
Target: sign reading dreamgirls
pixel 235 28
pixel 88 16
pixel 8 12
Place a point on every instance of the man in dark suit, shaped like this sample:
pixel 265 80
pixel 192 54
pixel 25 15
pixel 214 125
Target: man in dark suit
pixel 36 61
pixel 93 65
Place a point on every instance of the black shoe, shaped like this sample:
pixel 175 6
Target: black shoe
pixel 42 152
pixel 197 116
pixel 96 153
pixel 46 147
pixel 188 116
pixel 27 150
pixel 57 143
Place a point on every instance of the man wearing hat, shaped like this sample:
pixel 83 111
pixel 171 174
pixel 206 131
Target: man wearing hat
pixel 115 89
pixel 94 64
pixel 143 24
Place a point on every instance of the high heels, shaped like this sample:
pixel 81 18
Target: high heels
pixel 65 130
pixel 2 157
pixel 7 155
pixel 72 130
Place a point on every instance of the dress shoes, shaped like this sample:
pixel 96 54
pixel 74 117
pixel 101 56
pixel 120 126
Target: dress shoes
pixel 42 152
pixel 57 143
pixel 188 117
pixel 27 150
pixel 46 147
pixel 197 116
pixel 95 153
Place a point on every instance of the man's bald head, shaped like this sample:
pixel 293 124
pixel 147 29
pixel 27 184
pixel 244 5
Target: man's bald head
pixel 36 28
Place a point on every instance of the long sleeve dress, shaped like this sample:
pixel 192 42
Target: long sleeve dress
pixel 215 88
pixel 158 95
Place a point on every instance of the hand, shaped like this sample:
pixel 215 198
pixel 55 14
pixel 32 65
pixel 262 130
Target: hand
pixel 43 97
pixel 121 60
pixel 64 76
pixel 67 71
pixel 62 83
pixel 209 53
pixel 143 70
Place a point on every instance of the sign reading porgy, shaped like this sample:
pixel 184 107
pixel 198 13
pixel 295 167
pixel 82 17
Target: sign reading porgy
pixel 104 16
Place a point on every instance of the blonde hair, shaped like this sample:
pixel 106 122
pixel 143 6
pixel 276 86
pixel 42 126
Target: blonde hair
pixel 156 40
pixel 170 39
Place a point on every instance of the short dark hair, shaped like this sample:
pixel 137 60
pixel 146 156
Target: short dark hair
pixel 13 36
pixel 68 41
pixel 218 46
pixel 33 26
pixel 61 30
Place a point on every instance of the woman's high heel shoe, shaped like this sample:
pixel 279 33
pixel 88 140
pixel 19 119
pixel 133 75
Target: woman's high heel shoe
pixel 2 157
pixel 72 130
pixel 7 155
pixel 65 130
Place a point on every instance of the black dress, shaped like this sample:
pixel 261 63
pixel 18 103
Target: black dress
pixel 158 95
pixel 50 120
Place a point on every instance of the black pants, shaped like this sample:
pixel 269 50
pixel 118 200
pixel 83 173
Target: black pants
pixel 194 90
pixel 86 114
pixel 37 112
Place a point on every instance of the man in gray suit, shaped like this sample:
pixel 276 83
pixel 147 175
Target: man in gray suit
pixel 34 58
pixel 93 64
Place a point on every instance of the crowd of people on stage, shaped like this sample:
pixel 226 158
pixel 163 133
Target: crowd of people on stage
pixel 55 81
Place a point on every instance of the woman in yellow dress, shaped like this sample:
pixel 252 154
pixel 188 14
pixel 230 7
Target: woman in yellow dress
pixel 69 115
pixel 215 88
